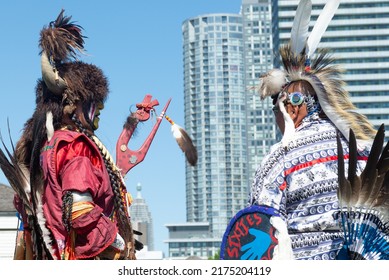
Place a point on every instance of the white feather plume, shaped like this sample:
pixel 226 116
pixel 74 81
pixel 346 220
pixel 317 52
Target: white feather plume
pixel 49 125
pixel 283 251
pixel 272 83
pixel 299 32
pixel 289 128
pixel 321 25
pixel 46 235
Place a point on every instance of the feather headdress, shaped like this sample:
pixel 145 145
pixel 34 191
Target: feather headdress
pixel 364 201
pixel 61 42
pixel 302 62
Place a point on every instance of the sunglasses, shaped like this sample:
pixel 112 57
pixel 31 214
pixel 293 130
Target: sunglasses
pixel 295 98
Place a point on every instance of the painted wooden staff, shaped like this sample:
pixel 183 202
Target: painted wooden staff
pixel 126 159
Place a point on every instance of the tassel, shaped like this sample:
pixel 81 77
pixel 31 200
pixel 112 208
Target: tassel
pixel 184 142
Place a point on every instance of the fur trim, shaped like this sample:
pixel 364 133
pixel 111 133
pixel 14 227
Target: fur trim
pixel 86 82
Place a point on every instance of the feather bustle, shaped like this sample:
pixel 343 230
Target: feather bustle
pixel 344 189
pixel 16 175
pixel 355 181
pixel 365 219
pixel 370 173
pixel 383 162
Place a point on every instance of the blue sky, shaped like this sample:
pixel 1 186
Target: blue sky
pixel 138 44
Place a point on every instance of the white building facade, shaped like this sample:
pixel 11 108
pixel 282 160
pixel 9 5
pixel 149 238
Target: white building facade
pixel 9 223
pixel 191 241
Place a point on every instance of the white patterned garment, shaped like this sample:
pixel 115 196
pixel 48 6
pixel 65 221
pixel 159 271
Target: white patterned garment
pixel 301 181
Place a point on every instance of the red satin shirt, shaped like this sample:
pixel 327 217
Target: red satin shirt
pixel 72 162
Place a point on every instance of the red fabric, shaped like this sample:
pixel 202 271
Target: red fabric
pixel 320 160
pixel 72 162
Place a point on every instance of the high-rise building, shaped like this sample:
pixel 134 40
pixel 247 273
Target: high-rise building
pixel 358 36
pixel 224 55
pixel 215 116
pixel 258 30
pixel 141 219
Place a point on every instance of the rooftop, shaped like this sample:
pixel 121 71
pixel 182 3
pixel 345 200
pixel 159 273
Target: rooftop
pixel 6 199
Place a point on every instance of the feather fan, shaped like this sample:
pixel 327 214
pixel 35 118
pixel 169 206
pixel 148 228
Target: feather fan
pixel 184 142
pixel 364 198
pixel 299 32
pixel 15 175
pixel 321 25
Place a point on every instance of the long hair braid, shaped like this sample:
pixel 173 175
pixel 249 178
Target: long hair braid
pixel 117 184
pixel 67 208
